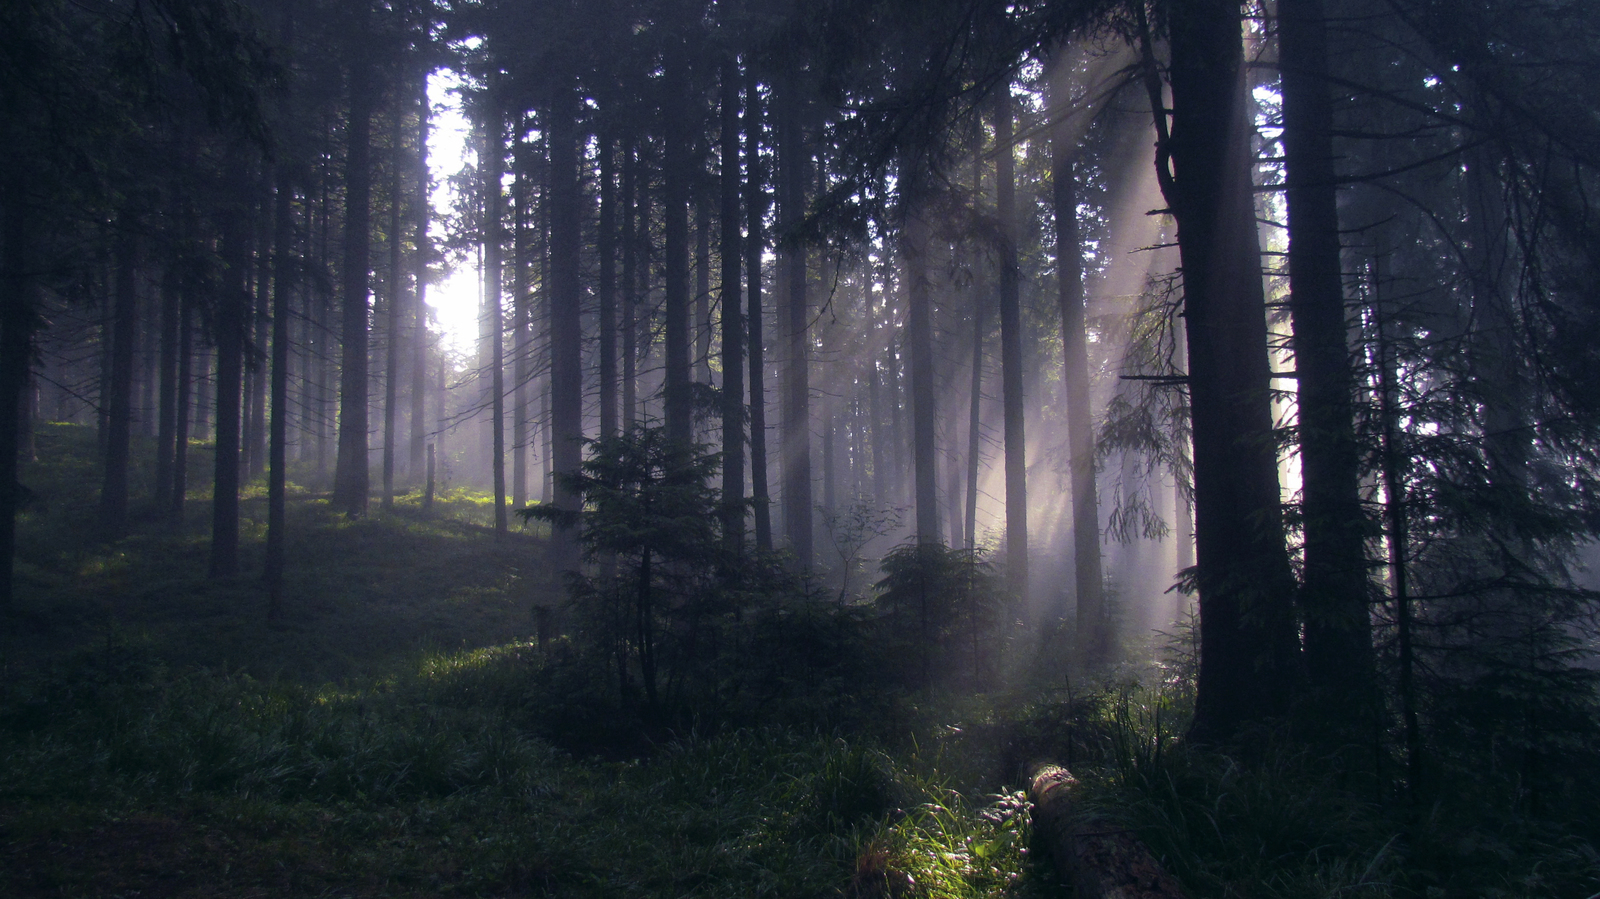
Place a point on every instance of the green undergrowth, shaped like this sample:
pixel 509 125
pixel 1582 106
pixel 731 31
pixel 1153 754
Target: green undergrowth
pixel 362 597
pixel 1269 819
pixel 423 784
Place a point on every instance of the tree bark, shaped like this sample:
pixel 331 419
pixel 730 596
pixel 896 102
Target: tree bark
pixel 974 425
pixel 19 300
pixel 277 439
pixel 255 371
pixel 521 322
pixel 607 247
pixel 419 323
pixel 1338 634
pixel 1011 352
pixel 118 391
pixel 676 175
pixel 351 476
pixel 702 287
pixel 1100 861
pixel 794 156
pixel 755 207
pixel 494 154
pixel 630 287
pixel 565 297
pixel 231 321
pixel 167 393
pixel 396 291
pixel 732 319
pixel 1093 636
pixel 1248 641
pixel 180 436
pixel 914 240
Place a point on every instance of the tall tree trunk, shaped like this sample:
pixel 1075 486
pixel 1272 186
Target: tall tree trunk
pixel 914 247
pixel 755 207
pixel 396 310
pixel 880 435
pixel 794 157
pixel 732 319
pixel 521 322
pixel 322 326
pixel 702 287
pixel 1093 630
pixel 975 422
pixel 607 246
pixel 351 476
pixel 19 301
pixel 1248 641
pixel 256 391
pixel 118 391
pixel 677 173
pixel 565 295
pixel 1011 352
pixel 630 286
pixel 494 153
pixel 419 323
pixel 1338 636
pixel 277 440
pixel 180 436
pixel 231 322
pixel 167 394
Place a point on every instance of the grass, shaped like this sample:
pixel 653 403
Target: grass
pixel 392 735
pixel 121 774
pixel 398 733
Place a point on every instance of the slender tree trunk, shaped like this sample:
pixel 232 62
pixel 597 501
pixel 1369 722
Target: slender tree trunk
pixel 1394 474
pixel 119 388
pixel 630 287
pixel 277 440
pixel 521 324
pixel 607 246
pixel 566 295
pixel 1338 636
pixel 794 156
pixel 975 423
pixel 1092 627
pixel 231 321
pixel 19 300
pixel 350 478
pixel 396 310
pixel 256 391
pixel 494 219
pixel 755 204
pixel 676 175
pixel 732 319
pixel 915 239
pixel 702 287
pixel 205 390
pixel 419 323
pixel 1248 641
pixel 167 395
pixel 180 437
pixel 1011 352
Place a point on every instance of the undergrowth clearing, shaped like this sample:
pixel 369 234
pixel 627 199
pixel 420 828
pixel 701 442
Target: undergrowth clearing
pixel 401 731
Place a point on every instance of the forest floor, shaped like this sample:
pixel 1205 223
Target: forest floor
pixel 160 737
pixel 399 732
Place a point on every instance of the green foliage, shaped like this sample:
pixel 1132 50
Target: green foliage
pixel 429 783
pixel 642 492
pixel 940 609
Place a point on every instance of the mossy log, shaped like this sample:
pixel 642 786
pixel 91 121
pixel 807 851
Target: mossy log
pixel 1100 863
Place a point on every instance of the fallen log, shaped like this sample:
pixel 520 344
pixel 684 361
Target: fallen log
pixel 1099 862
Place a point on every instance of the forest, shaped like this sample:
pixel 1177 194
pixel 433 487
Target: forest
pixel 727 447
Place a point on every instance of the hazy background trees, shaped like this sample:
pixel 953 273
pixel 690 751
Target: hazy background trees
pixel 1281 303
